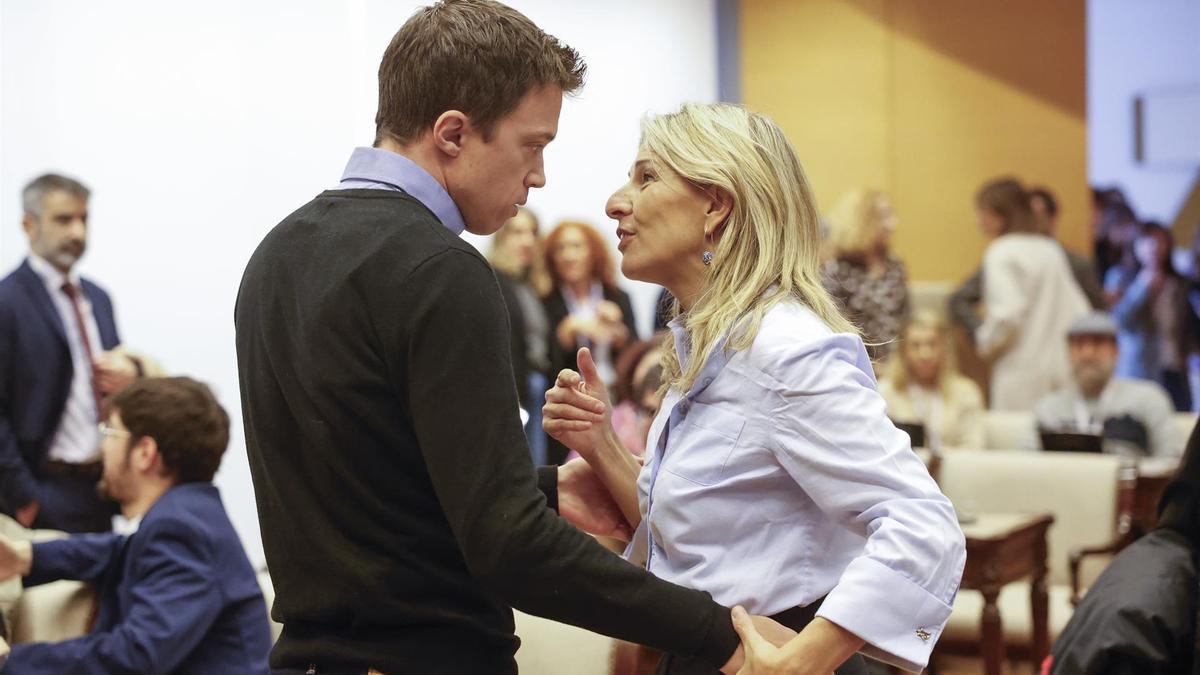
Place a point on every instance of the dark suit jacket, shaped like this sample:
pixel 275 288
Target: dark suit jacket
pixel 1139 617
pixel 35 376
pixel 556 311
pixel 178 596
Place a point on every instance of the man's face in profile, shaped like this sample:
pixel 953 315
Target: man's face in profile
pixel 490 178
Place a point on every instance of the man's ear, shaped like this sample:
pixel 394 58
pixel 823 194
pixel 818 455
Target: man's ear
pixel 28 223
pixel 145 456
pixel 720 205
pixel 448 131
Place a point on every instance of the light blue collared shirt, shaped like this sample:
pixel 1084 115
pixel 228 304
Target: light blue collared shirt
pixel 778 479
pixel 377 169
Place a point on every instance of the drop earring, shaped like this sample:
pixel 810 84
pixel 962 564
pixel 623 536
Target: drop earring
pixel 707 256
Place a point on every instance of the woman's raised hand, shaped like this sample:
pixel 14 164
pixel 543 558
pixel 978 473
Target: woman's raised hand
pixel 577 411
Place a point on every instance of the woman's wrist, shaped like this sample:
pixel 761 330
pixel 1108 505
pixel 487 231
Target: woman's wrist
pixel 824 645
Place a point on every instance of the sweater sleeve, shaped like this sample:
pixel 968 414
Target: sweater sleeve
pixel 452 353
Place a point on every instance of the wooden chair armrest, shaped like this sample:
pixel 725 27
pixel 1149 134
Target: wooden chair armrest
pixel 1078 555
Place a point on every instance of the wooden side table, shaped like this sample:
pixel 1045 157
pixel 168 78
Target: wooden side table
pixel 1003 548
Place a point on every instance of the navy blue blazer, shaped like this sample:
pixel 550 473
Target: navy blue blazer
pixel 177 596
pixel 35 376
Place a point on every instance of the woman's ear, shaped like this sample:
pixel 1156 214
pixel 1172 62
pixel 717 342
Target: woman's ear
pixel 720 205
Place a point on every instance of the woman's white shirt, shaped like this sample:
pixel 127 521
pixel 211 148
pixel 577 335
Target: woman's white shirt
pixel 1031 299
pixel 778 479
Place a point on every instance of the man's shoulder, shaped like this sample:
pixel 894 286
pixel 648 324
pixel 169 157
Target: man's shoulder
pixel 191 511
pixel 1144 391
pixel 13 283
pixel 386 223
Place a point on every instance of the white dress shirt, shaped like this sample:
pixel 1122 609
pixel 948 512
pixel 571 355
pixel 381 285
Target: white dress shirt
pixel 778 480
pixel 77 439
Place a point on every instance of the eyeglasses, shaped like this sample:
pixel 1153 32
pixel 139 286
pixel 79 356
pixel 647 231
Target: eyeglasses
pixel 107 430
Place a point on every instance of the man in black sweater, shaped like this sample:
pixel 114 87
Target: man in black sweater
pixel 400 514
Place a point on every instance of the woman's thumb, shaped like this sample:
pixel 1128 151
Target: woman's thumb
pixel 587 367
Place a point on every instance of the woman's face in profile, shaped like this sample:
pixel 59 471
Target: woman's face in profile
pixel 990 222
pixel 660 223
pixel 521 238
pixel 923 352
pixel 1151 250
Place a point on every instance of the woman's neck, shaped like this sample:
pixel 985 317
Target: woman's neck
pixel 580 289
pixel 688 285
pixel 928 385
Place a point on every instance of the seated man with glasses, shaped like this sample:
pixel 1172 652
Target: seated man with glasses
pixel 178 593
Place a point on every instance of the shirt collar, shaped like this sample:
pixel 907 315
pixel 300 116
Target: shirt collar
pixel 375 165
pixel 683 351
pixel 125 526
pixel 49 274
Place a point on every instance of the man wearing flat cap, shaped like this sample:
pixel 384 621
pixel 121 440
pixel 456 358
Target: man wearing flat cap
pixel 1096 397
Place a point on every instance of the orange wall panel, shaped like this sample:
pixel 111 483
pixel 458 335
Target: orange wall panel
pixel 926 99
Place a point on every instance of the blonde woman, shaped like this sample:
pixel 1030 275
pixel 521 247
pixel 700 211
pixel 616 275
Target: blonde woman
pixel 869 283
pixel 516 255
pixel 772 478
pixel 925 387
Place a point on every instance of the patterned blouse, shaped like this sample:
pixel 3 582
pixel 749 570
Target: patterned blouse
pixel 877 305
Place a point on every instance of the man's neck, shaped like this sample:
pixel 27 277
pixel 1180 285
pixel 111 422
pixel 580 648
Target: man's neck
pixel 65 272
pixel 1095 392
pixel 420 154
pixel 146 498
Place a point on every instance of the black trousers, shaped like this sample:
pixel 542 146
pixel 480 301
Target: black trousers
pixel 796 619
pixel 69 502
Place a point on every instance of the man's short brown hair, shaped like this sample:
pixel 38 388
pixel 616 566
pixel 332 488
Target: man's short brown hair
pixel 185 420
pixel 475 56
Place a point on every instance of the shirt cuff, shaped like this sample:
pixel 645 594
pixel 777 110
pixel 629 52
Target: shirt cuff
pixel 547 482
pixel 899 620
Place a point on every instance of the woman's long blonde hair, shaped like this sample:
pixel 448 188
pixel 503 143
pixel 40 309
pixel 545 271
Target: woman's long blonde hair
pixel 769 248
pixel 935 321
pixel 854 224
pixel 534 273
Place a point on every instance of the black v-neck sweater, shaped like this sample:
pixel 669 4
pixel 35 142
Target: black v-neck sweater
pixel 400 513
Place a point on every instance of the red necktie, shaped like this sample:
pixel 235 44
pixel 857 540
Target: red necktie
pixel 73 293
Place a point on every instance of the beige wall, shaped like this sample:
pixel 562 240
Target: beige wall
pixel 927 99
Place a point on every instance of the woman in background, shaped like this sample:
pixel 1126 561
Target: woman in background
pixel 1150 309
pixel 924 387
pixel 639 374
pixel 516 255
pixel 584 306
pixel 1030 300
pixel 869 283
